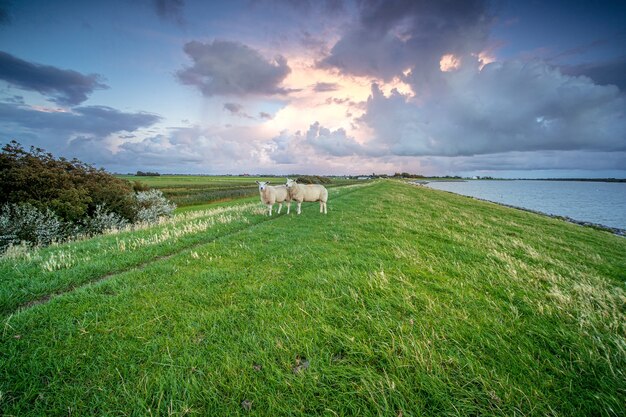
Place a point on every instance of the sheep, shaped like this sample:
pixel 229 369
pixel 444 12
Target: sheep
pixel 308 192
pixel 274 194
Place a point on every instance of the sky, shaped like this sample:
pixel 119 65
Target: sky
pixel 510 89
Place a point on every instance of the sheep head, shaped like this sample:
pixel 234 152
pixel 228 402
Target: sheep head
pixel 262 185
pixel 290 183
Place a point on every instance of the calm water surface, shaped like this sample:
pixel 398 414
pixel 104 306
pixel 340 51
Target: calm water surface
pixel 597 202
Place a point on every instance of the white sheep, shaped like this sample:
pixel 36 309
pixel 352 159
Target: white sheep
pixel 308 192
pixel 274 194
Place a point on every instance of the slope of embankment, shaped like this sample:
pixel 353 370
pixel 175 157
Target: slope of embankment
pixel 401 301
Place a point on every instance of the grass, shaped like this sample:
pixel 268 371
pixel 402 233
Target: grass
pixel 187 190
pixel 401 301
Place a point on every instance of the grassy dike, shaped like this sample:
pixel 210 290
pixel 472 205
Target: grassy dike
pixel 401 301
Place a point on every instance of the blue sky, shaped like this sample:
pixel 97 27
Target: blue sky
pixel 500 88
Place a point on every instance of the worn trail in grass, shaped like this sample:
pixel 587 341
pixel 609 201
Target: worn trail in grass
pixel 400 300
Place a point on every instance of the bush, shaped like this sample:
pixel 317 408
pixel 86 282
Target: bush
pixel 71 189
pixel 25 223
pixel 45 199
pixel 152 205
pixel 103 220
pixel 140 186
pixel 313 179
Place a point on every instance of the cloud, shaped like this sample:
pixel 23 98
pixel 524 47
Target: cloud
pixel 65 87
pixel 612 72
pixel 535 161
pixel 236 110
pixel 313 43
pixel 390 37
pixel 99 121
pixel 170 10
pixel 335 143
pixel 264 115
pixel 317 143
pixel 195 148
pixel 324 87
pixel 507 106
pixel 232 68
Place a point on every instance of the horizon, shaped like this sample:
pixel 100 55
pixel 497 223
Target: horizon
pixel 456 88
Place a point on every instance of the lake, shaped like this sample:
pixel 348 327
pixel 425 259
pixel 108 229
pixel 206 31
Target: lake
pixel 597 202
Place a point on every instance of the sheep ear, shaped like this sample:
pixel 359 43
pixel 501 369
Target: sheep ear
pixel 267 182
pixel 257 182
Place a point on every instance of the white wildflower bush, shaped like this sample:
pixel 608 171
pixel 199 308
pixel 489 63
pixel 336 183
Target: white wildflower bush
pixel 152 205
pixel 25 223
pixel 102 221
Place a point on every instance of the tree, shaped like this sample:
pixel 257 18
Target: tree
pixel 70 188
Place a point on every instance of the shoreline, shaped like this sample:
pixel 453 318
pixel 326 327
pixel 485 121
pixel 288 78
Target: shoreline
pixel 614 230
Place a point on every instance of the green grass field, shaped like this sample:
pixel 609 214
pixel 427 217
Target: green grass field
pixel 186 190
pixel 402 301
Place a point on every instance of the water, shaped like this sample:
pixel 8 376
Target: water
pixel 597 202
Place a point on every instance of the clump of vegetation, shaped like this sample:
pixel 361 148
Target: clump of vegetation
pixel 147 174
pixel 25 223
pixel 44 199
pixel 407 175
pixel 313 179
pixel 152 205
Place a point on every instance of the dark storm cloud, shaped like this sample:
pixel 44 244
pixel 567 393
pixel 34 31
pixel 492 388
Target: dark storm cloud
pixel 509 106
pixel 65 87
pixel 170 10
pixel 90 120
pixel 611 72
pixel 324 87
pixel 391 36
pixel 232 68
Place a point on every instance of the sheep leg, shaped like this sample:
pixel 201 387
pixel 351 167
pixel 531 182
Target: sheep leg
pixel 299 204
pixel 269 208
pixel 321 206
pixel 325 208
pixel 280 206
pixel 288 206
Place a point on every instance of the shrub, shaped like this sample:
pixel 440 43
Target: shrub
pixel 140 186
pixel 25 223
pixel 313 179
pixel 152 205
pixel 71 189
pixel 103 220
pixel 45 199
